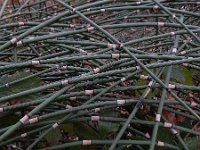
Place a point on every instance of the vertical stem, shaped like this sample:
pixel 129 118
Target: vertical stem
pixel 3 7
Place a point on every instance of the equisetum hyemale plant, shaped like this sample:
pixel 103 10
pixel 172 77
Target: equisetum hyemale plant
pixel 99 74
